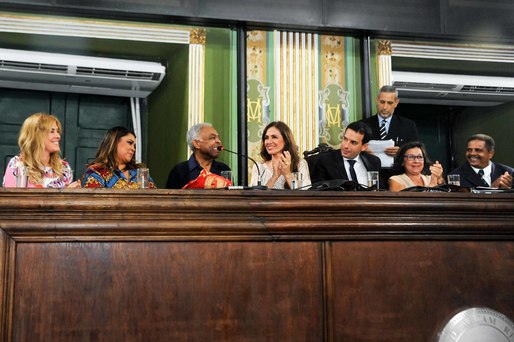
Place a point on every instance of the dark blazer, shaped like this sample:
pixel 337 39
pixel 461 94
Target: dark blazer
pixel 330 166
pixel 188 170
pixel 401 130
pixel 470 179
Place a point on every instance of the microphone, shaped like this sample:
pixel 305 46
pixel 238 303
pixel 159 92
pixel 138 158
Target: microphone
pixel 259 185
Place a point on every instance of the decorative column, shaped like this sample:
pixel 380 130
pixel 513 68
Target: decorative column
pixel 196 77
pixel 384 67
pixel 296 85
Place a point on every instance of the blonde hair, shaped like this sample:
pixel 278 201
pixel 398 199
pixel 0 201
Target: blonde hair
pixel 32 137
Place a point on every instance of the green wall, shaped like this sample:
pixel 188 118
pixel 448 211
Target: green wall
pixel 353 78
pixel 167 118
pixel 373 60
pixel 497 122
pixel 220 90
pixel 168 105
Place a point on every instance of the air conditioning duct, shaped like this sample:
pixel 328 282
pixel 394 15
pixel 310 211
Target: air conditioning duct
pixel 78 74
pixel 452 89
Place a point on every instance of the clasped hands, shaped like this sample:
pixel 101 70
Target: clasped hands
pixel 503 182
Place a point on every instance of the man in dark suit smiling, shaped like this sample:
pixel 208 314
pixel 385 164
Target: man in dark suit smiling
pixel 479 170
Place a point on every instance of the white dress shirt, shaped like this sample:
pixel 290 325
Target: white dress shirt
pixel 487 173
pixel 360 170
pixel 388 122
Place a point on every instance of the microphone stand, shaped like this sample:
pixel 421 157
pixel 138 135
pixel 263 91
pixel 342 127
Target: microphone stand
pixel 259 186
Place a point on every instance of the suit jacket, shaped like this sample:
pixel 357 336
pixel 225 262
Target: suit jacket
pixel 401 130
pixel 330 166
pixel 188 170
pixel 470 179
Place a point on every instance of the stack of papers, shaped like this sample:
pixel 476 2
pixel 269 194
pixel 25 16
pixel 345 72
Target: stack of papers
pixel 377 147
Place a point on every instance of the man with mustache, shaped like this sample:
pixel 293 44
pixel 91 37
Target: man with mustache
pixel 479 170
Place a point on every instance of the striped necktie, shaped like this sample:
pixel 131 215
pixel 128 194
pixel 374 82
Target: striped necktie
pixel 383 132
pixel 481 174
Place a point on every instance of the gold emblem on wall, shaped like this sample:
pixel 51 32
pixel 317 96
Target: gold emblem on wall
pixel 333 99
pixel 197 36
pixel 334 116
pixel 258 98
pixel 384 47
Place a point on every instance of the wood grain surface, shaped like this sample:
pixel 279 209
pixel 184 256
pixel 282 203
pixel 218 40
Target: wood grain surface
pixel 162 265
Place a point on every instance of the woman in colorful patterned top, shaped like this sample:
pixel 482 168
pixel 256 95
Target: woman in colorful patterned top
pixel 39 155
pixel 114 165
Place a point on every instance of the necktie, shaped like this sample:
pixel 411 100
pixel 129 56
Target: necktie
pixel 352 171
pixel 481 174
pixel 383 132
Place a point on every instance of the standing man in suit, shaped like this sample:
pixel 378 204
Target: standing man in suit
pixel 384 125
pixel 350 162
pixel 387 126
pixel 479 170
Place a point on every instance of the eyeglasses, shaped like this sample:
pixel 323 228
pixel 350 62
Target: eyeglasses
pixel 413 157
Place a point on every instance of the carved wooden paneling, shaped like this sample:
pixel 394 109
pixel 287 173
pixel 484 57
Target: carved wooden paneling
pixel 163 265
pixel 255 215
pixel 405 291
pixel 165 291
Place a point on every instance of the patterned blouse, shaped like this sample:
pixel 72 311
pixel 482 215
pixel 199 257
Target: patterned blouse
pixel 50 179
pixel 99 176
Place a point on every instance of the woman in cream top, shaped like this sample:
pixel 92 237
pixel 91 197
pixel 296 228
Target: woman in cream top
pixel 281 159
pixel 411 162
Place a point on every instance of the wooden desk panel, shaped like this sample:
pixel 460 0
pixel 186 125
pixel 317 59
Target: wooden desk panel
pixel 164 291
pixel 415 286
pixel 164 265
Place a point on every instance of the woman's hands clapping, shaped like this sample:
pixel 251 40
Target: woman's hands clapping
pixel 436 171
pixel 285 163
pixel 281 166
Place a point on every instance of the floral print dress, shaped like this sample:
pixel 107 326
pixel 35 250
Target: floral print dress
pixel 50 179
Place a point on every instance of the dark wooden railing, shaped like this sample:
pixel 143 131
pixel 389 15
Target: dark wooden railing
pixel 158 265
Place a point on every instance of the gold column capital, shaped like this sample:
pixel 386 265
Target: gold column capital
pixel 384 47
pixel 197 36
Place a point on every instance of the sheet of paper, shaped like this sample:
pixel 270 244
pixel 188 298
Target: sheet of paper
pixel 377 147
